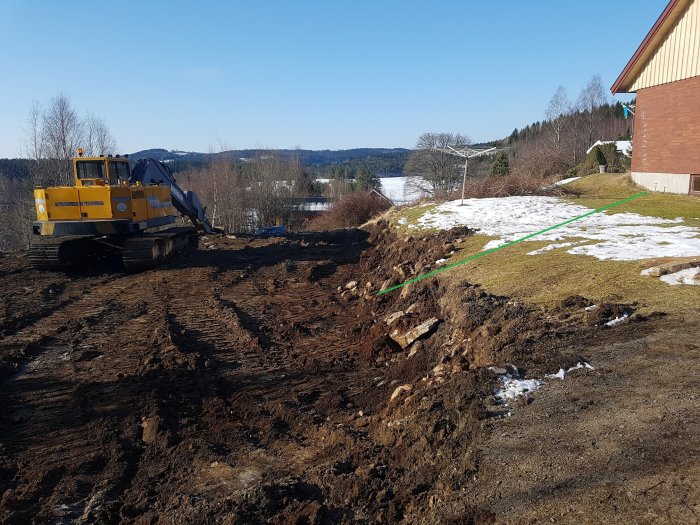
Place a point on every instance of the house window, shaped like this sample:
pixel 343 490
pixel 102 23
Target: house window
pixel 695 184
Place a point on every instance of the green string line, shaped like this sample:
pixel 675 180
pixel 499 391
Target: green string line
pixel 511 243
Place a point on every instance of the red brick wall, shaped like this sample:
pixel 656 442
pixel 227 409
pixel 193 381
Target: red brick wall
pixel 667 128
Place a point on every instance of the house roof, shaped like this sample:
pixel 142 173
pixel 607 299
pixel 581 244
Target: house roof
pixel 380 195
pixel 650 43
pixel 623 146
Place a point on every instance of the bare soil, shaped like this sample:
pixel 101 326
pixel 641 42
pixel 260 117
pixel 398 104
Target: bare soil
pixel 253 382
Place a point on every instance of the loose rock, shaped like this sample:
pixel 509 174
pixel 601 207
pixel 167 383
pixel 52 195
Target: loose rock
pixel 405 340
pixel 400 390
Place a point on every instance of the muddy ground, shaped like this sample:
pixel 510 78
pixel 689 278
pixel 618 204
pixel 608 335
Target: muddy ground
pixel 258 381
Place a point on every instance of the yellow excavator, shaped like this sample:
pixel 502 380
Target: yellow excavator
pixel 114 210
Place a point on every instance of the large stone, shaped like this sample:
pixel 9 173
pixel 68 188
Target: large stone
pixel 405 340
pixel 385 285
pixel 400 390
pixel 150 427
pixel 412 309
pixel 392 318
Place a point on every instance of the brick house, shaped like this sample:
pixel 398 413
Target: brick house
pixel 664 73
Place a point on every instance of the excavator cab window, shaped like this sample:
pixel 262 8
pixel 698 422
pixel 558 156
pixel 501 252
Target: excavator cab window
pixel 91 169
pixel 118 172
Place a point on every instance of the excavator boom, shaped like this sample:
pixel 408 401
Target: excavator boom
pixel 150 171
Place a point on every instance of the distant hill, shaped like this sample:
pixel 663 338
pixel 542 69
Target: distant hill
pixel 308 157
pixel 381 161
pixel 163 155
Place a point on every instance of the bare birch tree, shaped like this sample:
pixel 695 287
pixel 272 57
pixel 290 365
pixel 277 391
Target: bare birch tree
pixel 557 113
pixel 53 135
pixel 62 134
pixel 591 98
pixel 433 170
pixel 34 147
pixel 97 138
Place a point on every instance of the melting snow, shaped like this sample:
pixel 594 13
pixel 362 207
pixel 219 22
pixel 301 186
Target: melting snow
pixel 552 247
pixel 689 276
pixel 513 388
pixel 617 320
pixel 619 236
pixel 562 182
pixel 562 373
pixel 566 181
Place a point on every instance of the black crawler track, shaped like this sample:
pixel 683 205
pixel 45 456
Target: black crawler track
pixel 136 253
pixel 51 253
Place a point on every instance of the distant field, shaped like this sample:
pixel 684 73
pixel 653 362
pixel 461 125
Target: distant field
pixel 395 189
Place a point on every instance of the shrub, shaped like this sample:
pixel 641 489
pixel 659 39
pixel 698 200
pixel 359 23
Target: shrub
pixel 350 211
pixel 508 186
pixel 605 154
pixel 600 156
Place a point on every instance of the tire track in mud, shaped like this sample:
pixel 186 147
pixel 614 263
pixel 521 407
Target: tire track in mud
pixel 200 324
pixel 311 377
pixel 196 391
pixel 67 429
pixel 48 424
pixel 55 296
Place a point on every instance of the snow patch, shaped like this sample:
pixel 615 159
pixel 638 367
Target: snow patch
pixel 493 244
pixel 512 387
pixel 562 373
pixel 552 247
pixel 619 236
pixel 689 276
pixel 566 181
pixel 562 182
pixel 395 189
pixel 617 320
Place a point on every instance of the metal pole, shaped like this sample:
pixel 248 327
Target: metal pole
pixel 464 179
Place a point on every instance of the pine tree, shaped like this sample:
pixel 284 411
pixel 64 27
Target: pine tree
pixel 366 180
pixel 500 166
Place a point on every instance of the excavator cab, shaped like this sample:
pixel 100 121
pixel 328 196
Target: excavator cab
pixel 101 171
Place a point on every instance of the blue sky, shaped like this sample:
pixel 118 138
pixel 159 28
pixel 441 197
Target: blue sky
pixel 314 74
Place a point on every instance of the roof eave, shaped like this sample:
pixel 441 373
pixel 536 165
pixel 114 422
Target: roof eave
pixel 622 84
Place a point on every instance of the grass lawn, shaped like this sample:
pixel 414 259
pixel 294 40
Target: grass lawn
pixel 554 275
pixel 408 215
pixel 597 190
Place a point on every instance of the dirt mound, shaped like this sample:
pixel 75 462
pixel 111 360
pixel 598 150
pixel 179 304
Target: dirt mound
pixel 262 381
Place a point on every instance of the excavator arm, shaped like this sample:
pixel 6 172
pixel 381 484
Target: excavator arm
pixel 150 171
